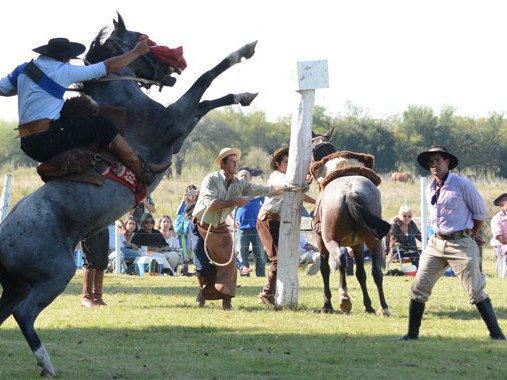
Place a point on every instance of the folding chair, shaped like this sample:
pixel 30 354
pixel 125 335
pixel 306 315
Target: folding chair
pixel 401 256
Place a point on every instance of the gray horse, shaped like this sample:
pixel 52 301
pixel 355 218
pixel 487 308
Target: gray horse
pixel 348 214
pixel 34 271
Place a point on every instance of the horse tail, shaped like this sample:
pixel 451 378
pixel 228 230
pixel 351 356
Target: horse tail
pixel 369 222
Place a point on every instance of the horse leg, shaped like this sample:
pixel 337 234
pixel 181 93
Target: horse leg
pixel 13 293
pixel 196 91
pixel 40 295
pixel 361 277
pixel 345 302
pixel 245 99
pixel 325 270
pixel 378 277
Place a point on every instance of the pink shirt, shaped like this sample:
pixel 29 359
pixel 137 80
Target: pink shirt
pixel 499 225
pixel 458 204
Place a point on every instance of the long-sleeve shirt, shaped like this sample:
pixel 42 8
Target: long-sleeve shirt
pixel 34 102
pixel 458 204
pixel 215 186
pixel 499 225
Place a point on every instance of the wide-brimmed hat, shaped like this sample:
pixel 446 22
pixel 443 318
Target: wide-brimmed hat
pixel 497 201
pixel 279 152
pixel 61 48
pixel 226 152
pixel 423 157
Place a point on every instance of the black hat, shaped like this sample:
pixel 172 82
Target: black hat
pixel 423 157
pixel 61 48
pixel 496 202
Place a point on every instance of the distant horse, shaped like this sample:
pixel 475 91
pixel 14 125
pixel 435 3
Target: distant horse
pixel 401 177
pixel 348 214
pixel 34 271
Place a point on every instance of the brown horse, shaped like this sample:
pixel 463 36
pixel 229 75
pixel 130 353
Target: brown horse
pixel 402 177
pixel 348 214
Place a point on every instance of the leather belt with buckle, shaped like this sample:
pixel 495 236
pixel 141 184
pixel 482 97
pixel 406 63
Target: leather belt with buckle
pixel 34 127
pixel 455 235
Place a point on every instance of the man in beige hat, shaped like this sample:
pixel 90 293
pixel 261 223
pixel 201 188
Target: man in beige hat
pixel 268 222
pixel 214 260
pixel 457 213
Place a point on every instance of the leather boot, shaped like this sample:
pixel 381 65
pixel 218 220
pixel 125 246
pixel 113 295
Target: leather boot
pixel 97 288
pixel 488 315
pixel 226 303
pixel 200 301
pixel 415 314
pixel 146 173
pixel 267 296
pixel 88 275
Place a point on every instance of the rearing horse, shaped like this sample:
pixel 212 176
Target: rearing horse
pixel 33 272
pixel 348 214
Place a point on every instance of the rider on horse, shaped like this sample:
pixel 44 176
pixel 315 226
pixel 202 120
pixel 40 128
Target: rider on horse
pixel 41 84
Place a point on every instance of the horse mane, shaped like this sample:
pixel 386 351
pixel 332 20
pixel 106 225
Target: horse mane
pixel 100 51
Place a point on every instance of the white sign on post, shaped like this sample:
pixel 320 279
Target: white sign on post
pixel 311 75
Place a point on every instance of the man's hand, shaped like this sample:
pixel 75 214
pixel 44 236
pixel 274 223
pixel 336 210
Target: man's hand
pixel 479 240
pixel 240 202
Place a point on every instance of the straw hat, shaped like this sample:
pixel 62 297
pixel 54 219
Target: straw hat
pixel 226 152
pixel 423 157
pixel 279 152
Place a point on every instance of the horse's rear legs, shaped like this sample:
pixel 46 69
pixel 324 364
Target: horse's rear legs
pixel 40 296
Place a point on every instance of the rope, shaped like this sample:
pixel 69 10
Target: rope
pixel 287 188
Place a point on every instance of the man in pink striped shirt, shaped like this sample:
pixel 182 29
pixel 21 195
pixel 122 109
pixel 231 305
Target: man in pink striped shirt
pixel 457 212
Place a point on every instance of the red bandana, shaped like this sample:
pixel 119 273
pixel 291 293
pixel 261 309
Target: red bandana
pixel 173 57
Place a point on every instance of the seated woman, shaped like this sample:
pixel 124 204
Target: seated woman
pixel 154 242
pixel 404 233
pixel 172 252
pixel 129 251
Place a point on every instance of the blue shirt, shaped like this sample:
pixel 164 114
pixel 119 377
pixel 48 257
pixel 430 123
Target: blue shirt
pixel 246 216
pixel 34 103
pixel 458 204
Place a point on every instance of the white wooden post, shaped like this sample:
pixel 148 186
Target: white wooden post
pixel 424 213
pixel 311 75
pixel 6 197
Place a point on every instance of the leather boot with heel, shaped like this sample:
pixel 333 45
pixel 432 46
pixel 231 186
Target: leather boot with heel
pixel 415 314
pixel 88 276
pixel 488 315
pixel 146 173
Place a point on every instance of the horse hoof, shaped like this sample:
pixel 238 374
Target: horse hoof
pixel 327 310
pixel 369 310
pixel 345 305
pixel 385 313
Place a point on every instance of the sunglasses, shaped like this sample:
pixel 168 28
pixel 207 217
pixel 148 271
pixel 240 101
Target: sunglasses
pixel 407 216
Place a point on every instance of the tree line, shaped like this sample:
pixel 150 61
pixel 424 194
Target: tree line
pixel 479 143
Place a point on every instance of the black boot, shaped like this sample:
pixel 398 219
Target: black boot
pixel 488 315
pixel 415 314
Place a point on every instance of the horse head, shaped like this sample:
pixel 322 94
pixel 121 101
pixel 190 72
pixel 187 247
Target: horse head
pixel 155 67
pixel 321 146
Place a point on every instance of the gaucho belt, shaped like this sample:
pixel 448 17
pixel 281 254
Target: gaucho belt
pixel 455 235
pixel 265 214
pixel 34 127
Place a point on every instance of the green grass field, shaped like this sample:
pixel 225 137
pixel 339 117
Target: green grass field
pixel 153 330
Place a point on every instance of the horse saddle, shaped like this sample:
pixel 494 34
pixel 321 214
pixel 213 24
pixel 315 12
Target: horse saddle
pixel 88 164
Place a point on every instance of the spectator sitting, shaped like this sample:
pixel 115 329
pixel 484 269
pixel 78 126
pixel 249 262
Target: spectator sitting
pixel 129 251
pixel 309 256
pixel 154 251
pixel 404 233
pixel 172 251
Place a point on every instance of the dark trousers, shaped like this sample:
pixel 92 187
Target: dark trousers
pixel 96 250
pixel 66 134
pixel 201 261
